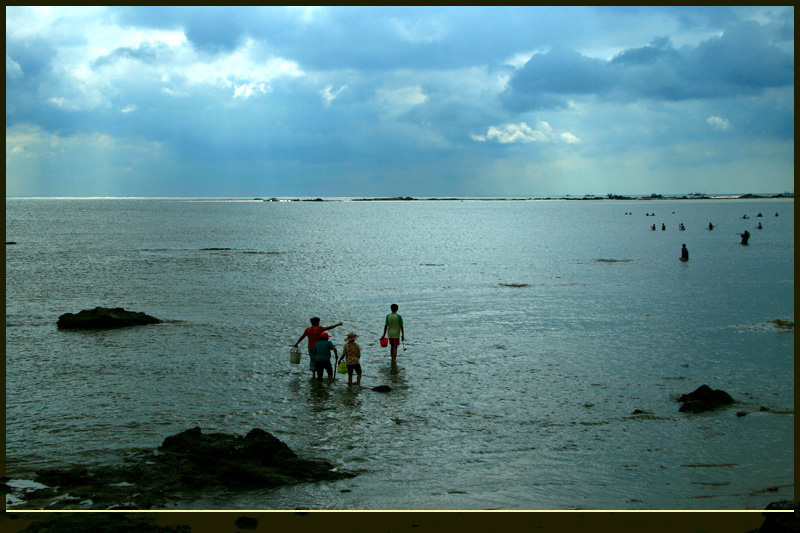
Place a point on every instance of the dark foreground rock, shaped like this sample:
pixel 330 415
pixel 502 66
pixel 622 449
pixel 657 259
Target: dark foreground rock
pixel 104 317
pixel 704 398
pixel 781 522
pixel 97 523
pixel 183 467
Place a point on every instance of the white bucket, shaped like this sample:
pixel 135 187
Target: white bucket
pixel 294 355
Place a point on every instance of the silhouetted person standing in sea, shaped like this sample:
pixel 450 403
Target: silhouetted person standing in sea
pixel 745 236
pixel 684 253
pixel 710 226
pixel 313 333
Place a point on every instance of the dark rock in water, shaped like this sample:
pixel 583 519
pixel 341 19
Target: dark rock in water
pixel 382 388
pixel 104 317
pixel 781 522
pixel 704 398
pixel 186 464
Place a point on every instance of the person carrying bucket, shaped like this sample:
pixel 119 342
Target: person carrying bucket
pixel 313 333
pixel 394 327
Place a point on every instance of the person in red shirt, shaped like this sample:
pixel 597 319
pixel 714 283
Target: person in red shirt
pixel 313 334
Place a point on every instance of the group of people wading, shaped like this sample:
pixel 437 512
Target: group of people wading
pixel 320 346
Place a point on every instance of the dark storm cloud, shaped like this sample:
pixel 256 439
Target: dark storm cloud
pixel 364 38
pixel 743 60
pixel 145 52
pixel 437 97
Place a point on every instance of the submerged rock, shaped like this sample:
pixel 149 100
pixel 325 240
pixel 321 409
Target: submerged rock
pixel 104 317
pixel 704 398
pixel 185 464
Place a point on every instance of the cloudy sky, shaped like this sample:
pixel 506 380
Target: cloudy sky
pixel 375 101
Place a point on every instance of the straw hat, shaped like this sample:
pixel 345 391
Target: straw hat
pixel 350 337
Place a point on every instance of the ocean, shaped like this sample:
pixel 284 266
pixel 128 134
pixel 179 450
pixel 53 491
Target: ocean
pixel 546 344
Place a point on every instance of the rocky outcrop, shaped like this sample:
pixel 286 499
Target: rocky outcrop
pixel 704 398
pixel 781 522
pixel 181 468
pixel 104 317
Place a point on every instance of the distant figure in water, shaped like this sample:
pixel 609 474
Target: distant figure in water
pixel 710 226
pixel 745 236
pixel 682 228
pixel 684 253
pixel 653 227
pixel 759 215
pixel 663 227
pixel 776 214
pixel 759 226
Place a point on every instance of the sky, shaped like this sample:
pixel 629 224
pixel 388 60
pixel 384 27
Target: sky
pixel 398 101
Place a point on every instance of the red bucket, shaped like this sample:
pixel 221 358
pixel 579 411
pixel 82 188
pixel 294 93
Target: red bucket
pixel 384 342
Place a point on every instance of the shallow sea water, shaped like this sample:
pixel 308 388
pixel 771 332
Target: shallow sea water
pixel 534 330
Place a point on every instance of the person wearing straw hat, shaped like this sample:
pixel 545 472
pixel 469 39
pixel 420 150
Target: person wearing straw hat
pixel 351 353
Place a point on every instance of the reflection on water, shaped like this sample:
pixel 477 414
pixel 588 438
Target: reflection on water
pixel 534 331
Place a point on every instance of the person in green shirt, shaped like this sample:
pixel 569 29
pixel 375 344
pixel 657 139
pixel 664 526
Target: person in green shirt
pixel 394 328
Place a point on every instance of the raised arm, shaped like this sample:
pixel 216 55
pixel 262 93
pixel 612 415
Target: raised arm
pixel 303 336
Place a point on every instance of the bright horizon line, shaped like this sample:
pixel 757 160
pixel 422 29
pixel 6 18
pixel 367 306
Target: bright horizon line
pixel 610 196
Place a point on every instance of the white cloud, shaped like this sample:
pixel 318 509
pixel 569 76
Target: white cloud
pixel 719 123
pixel 13 70
pixel 26 140
pixel 243 69
pixel 518 60
pixel 422 30
pixel 173 62
pixel 522 133
pixel 247 90
pixel 396 101
pixel 570 138
pixel 329 95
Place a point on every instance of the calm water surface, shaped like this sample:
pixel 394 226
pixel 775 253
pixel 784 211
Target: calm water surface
pixel 534 329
